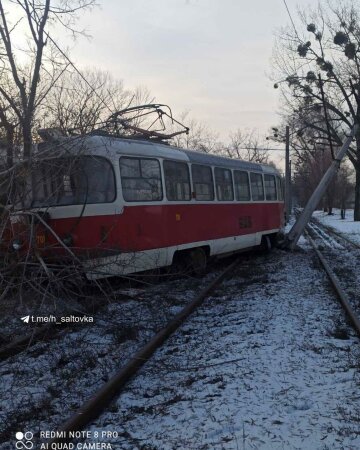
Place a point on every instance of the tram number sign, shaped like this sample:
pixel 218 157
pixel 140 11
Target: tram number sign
pixel 40 239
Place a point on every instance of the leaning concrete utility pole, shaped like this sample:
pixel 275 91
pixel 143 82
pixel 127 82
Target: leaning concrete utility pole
pixel 300 224
pixel 287 176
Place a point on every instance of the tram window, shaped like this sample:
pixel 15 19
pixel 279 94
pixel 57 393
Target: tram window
pixel 140 179
pixel 202 182
pixel 270 187
pixel 257 187
pixel 223 181
pixel 242 187
pixel 177 181
pixel 72 181
pixel 279 189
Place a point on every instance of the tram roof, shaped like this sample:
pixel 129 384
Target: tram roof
pixel 111 146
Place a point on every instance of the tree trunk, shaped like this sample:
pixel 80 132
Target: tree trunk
pixel 27 138
pixel 343 206
pixel 357 195
pixel 9 147
pixel 357 178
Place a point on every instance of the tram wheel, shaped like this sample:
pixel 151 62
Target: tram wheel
pixel 198 261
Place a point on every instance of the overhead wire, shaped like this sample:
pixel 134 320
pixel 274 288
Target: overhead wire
pixel 291 19
pixel 78 72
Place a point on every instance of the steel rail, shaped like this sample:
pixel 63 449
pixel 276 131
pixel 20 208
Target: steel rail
pixel 336 233
pixel 336 285
pixel 101 399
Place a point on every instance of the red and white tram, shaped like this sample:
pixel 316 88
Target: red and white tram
pixel 129 205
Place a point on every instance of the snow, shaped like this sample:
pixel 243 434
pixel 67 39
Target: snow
pixel 327 239
pixel 256 367
pixel 346 226
pixel 268 362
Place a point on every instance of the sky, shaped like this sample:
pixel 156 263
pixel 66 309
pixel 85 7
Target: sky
pixel 211 58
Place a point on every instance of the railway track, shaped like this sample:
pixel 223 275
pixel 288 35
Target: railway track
pixel 102 398
pixel 93 408
pixel 341 294
pixel 319 231
pixel 335 233
pixel 51 340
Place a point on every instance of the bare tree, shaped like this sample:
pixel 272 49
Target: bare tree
pixel 44 58
pixel 200 137
pixel 247 145
pixel 319 70
pixel 83 101
pixel 242 144
pixel 7 133
pixel 309 170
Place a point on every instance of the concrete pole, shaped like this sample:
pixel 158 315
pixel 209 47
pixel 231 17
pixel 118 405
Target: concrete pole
pixel 287 176
pixel 296 231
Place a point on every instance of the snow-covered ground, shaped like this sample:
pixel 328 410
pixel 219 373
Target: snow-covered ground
pixel 268 365
pixel 40 387
pixel 268 362
pixel 346 226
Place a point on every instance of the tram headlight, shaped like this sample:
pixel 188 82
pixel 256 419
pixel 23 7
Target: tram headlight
pixel 17 244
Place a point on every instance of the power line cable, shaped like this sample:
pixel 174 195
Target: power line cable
pixel 262 149
pixel 291 19
pixel 78 72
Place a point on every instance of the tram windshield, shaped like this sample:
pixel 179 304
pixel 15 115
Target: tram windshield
pixel 71 181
